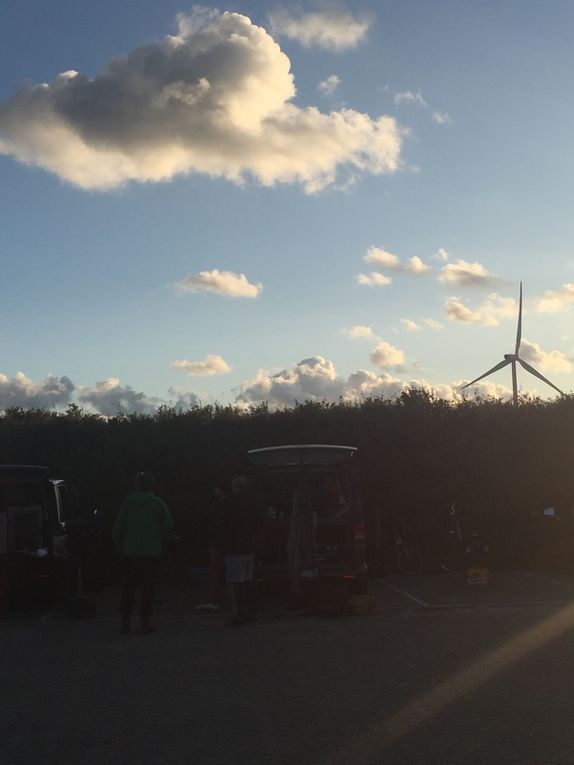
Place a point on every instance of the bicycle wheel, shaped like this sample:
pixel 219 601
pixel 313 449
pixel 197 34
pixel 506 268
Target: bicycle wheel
pixel 409 560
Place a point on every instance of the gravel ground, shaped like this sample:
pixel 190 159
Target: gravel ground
pixel 439 674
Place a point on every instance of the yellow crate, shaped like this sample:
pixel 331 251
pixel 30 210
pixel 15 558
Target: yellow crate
pixel 477 577
pixel 362 605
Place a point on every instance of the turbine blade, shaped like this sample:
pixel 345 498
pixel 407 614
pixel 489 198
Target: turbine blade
pixel 537 374
pixel 501 364
pixel 514 385
pixel 519 329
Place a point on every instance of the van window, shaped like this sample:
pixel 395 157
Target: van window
pixel 331 494
pixel 68 502
pixel 22 518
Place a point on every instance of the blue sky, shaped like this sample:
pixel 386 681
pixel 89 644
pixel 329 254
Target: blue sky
pixel 108 202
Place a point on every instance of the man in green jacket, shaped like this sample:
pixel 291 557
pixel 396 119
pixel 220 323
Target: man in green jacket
pixel 139 529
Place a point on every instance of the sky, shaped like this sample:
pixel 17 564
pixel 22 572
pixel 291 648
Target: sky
pixel 282 202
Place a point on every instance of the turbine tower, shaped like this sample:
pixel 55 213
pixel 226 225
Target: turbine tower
pixel 513 358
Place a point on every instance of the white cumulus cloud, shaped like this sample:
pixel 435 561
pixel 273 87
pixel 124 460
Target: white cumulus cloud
pixel 359 332
pixel 332 28
pixel 215 98
pixel 211 365
pixel 316 379
pixel 383 259
pixel 554 361
pixel 386 356
pixel 374 279
pixel 221 283
pixel 329 85
pixel 21 391
pixel 488 313
pixel 464 274
pixel 110 398
pixel 556 301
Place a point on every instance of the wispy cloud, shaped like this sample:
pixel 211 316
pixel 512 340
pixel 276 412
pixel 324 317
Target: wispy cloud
pixel 210 366
pixel 216 98
pixel 409 97
pixel 436 325
pixel 441 254
pixel 410 325
pixel 442 118
pixel 328 86
pixel 333 28
pixel 220 282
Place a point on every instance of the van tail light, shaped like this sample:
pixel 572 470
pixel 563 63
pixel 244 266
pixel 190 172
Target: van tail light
pixel 359 532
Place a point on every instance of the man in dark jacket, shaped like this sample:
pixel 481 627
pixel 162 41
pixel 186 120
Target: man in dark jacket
pixel 242 521
pixel 140 527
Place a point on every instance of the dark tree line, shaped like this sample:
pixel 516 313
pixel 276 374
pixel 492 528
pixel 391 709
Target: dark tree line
pixel 418 454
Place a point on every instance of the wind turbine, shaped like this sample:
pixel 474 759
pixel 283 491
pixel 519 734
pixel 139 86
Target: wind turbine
pixel 512 358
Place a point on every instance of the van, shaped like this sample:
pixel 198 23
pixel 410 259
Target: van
pixel 330 473
pixel 37 515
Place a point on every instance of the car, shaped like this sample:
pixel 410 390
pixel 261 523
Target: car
pixel 330 472
pixel 40 520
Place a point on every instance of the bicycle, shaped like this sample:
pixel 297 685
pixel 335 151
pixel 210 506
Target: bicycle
pixel 408 558
pixel 454 561
pixel 464 548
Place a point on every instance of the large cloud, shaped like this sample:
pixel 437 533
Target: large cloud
pixel 316 379
pixel 20 391
pixel 110 398
pixel 220 282
pixel 334 28
pixel 211 365
pixel 213 99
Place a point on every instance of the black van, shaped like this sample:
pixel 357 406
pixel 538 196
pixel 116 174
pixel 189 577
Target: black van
pixel 36 516
pixel 331 476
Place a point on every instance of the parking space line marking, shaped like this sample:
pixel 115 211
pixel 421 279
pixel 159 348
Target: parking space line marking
pixel 545 578
pixel 406 594
pixel 501 604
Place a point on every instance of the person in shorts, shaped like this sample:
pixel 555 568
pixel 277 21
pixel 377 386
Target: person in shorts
pixel 242 522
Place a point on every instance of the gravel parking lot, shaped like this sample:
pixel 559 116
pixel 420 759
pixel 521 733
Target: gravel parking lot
pixel 440 673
